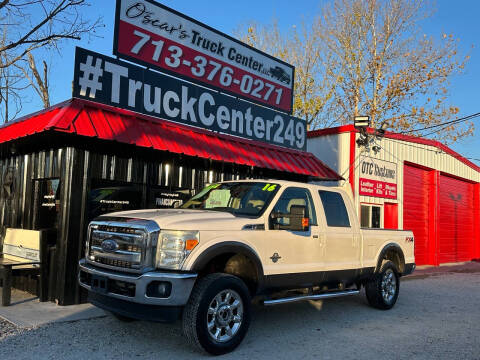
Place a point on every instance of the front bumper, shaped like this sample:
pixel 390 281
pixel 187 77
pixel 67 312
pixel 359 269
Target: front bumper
pixel 133 287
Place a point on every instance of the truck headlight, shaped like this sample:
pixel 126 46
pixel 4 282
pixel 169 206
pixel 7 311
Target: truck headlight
pixel 174 247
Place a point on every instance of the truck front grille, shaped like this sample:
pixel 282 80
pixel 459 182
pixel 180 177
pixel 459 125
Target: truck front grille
pixel 112 262
pixel 122 245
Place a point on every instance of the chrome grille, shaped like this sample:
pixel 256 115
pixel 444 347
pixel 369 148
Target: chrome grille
pixel 126 244
pixel 112 262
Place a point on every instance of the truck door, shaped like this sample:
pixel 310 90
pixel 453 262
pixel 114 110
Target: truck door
pixel 340 236
pixel 291 258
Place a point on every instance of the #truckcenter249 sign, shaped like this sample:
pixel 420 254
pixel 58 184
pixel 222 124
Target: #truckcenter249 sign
pixel 109 81
pixel 161 38
pixel 378 178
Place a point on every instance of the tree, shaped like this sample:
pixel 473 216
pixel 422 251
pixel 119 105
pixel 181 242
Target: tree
pixel 11 85
pixel 302 48
pixel 381 64
pixel 29 25
pixel 40 84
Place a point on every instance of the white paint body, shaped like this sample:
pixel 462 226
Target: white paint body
pixel 322 248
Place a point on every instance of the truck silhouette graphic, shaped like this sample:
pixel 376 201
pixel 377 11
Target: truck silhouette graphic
pixel 278 73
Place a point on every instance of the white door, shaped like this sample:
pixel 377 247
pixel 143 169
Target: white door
pixel 341 236
pixel 291 257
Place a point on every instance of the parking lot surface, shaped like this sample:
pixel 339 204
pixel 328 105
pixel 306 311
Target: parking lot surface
pixel 436 317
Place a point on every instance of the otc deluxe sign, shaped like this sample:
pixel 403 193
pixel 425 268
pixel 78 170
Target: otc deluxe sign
pixel 161 38
pixel 120 84
pixel 378 178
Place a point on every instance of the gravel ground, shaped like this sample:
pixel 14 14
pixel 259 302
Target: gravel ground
pixel 8 329
pixel 437 317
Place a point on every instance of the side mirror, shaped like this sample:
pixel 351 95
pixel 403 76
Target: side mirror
pixel 299 218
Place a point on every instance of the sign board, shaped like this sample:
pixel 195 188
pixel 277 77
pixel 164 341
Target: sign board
pixel 378 178
pixel 158 37
pixel 106 80
pixel 167 199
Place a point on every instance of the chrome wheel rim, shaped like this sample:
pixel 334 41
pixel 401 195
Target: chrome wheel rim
pixel 224 315
pixel 389 285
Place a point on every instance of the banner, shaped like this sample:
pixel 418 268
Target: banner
pixel 108 81
pixel 378 178
pixel 161 38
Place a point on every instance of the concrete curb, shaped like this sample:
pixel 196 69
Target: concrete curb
pixel 424 271
pixel 26 311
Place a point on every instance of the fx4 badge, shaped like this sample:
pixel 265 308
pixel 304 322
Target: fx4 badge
pixel 275 257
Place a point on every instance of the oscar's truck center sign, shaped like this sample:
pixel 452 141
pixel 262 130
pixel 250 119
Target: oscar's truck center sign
pixel 161 38
pixel 378 178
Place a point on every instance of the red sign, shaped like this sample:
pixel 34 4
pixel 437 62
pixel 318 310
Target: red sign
pixel 369 187
pixel 161 38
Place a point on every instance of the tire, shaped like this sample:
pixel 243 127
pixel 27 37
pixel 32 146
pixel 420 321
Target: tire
pixel 122 317
pixel 217 315
pixel 382 290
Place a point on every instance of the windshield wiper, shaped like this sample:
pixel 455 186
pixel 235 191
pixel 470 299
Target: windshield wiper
pixel 227 209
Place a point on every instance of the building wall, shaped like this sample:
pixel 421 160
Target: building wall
pixel 438 163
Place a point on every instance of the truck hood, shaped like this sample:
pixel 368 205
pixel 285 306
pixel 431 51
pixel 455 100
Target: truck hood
pixel 187 219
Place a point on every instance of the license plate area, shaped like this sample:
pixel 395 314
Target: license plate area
pixel 99 284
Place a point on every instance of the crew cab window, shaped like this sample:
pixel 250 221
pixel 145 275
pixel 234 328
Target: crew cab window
pixel 335 210
pixel 294 196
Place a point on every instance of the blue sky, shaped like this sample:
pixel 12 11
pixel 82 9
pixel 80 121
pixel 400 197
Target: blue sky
pixel 459 18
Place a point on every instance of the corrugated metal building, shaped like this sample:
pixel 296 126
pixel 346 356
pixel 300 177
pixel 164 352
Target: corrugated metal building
pixel 406 182
pixel 65 165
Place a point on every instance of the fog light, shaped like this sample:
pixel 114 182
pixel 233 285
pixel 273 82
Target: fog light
pixel 159 289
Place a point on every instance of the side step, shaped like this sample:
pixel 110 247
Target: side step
pixel 310 297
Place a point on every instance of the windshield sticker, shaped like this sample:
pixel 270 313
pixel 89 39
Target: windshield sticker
pixel 218 198
pixel 205 190
pixel 269 187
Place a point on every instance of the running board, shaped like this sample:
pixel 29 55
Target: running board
pixel 310 297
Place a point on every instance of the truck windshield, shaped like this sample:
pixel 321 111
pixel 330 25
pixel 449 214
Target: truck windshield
pixel 238 198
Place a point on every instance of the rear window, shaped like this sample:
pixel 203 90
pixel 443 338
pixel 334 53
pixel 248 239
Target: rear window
pixel 335 210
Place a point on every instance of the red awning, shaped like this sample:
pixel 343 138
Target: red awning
pixel 89 119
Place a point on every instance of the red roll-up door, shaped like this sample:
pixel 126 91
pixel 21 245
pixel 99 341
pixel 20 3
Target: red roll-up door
pixel 456 226
pixel 416 210
pixel 391 216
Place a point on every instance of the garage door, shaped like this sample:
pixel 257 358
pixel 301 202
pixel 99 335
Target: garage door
pixel 456 226
pixel 415 209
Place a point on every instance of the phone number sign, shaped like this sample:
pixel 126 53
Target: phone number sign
pixel 161 38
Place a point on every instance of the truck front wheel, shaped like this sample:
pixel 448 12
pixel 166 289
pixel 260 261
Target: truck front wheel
pixel 382 290
pixel 217 315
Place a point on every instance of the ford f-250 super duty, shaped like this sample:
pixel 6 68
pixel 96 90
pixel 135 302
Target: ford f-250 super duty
pixel 278 241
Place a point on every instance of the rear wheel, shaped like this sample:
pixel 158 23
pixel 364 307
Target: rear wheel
pixel 382 290
pixel 217 315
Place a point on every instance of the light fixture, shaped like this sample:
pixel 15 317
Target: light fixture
pixel 361 122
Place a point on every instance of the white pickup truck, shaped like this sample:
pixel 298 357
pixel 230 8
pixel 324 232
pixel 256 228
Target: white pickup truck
pixel 275 240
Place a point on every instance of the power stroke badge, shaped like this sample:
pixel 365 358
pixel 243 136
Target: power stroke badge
pixel 103 79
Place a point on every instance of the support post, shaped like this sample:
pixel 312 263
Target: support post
pixel 7 285
pixel 433 214
pixel 476 222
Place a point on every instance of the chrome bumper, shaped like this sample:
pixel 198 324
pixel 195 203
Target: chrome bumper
pixel 181 285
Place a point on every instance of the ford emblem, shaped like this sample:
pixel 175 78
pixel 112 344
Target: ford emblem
pixel 109 245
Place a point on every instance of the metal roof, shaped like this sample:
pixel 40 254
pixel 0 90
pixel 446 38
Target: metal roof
pixel 84 118
pixel 400 137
